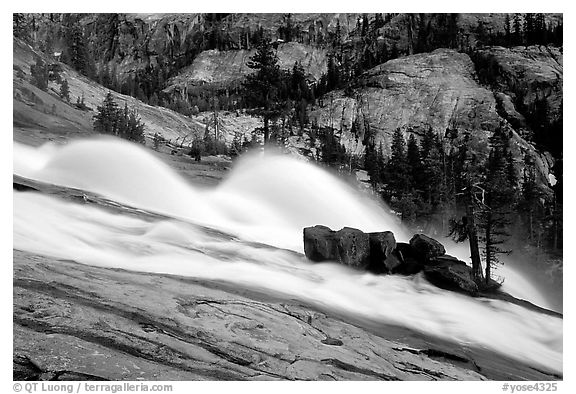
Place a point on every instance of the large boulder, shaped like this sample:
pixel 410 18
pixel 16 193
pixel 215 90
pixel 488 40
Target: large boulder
pixel 348 246
pixel 426 248
pixel 382 244
pixel 449 273
pixel 410 263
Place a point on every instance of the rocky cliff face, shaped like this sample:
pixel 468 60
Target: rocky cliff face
pixel 436 89
pixel 529 78
pixel 230 67
pixel 131 42
pixel 440 90
pixel 47 113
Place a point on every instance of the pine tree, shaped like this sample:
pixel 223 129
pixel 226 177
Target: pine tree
pixel 507 30
pixel 262 89
pixel 75 54
pixel 135 129
pixel 65 90
pixel 529 28
pixel 378 20
pixel 123 123
pixel 397 177
pixel 365 25
pixel 530 202
pixel 540 30
pixel 236 147
pixel 498 200
pixel 517 36
pixel 20 27
pixel 156 141
pixel 333 74
pixel 287 30
pixel 467 181
pixel 371 159
pixel 432 168
pixel 332 152
pixel 106 119
pixel 40 74
pixel 481 33
pixel 414 163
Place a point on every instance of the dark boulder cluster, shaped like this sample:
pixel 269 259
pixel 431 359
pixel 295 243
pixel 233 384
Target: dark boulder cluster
pixel 380 253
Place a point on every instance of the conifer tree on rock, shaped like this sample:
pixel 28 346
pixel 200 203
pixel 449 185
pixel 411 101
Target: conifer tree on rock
pixel 262 89
pixel 65 90
pixel 499 199
pixel 123 123
pixel 106 118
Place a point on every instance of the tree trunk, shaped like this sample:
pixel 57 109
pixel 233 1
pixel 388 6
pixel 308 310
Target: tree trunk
pixel 266 130
pixel 473 240
pixel 530 237
pixel 488 246
pixel 411 24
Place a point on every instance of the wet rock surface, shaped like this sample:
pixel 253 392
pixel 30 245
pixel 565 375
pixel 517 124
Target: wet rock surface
pixel 383 255
pixel 451 274
pixel 72 321
pixel 382 245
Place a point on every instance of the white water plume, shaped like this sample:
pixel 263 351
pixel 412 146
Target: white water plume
pixel 268 200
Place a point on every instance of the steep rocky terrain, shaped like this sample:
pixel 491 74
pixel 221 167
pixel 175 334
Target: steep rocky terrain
pixel 84 323
pixel 529 82
pixel 440 90
pixel 230 67
pixel 117 329
pixel 46 113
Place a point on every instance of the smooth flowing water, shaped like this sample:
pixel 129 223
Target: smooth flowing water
pixel 259 212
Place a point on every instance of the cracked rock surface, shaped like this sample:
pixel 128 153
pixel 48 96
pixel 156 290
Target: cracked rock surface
pixel 77 322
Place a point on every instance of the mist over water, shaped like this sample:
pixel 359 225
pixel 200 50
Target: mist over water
pixel 261 210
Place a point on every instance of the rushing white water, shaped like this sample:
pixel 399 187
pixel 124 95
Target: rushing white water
pixel 267 199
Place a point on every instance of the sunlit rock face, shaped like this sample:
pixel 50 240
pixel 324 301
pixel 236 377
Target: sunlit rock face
pixel 228 68
pixel 439 90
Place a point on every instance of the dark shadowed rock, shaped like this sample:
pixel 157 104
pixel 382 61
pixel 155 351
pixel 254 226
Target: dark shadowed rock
pixel 426 248
pixel 531 75
pixel 409 262
pixel 353 247
pixel 319 243
pixel 382 244
pixel 442 259
pixel 449 273
pixel 348 246
pixel 392 262
pixel 508 111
